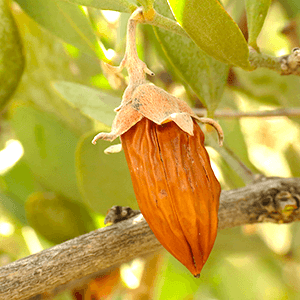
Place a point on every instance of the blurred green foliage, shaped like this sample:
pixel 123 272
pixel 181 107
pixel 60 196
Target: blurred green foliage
pixel 65 97
pixel 62 219
pixel 11 55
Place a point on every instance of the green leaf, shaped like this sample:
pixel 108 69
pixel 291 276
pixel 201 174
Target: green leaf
pixel 49 149
pixel 13 243
pixel 205 75
pixel 15 208
pixel 292 156
pixel 292 7
pixel 269 87
pixel 92 102
pixel 117 5
pixel 244 270
pixel 104 180
pixel 256 14
pixel 11 56
pixel 19 181
pixel 66 21
pixel 65 295
pixel 213 30
pixel 147 4
pixel 177 282
pixel 57 218
pixel 46 61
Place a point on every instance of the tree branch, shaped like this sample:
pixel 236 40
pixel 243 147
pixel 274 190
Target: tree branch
pixel 268 200
pixel 285 65
pixel 233 114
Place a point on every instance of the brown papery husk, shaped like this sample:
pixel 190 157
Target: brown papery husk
pixel 175 187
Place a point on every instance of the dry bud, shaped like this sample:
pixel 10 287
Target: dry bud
pixel 174 184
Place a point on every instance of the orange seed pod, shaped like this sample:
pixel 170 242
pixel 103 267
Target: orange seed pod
pixel 174 184
pixel 176 189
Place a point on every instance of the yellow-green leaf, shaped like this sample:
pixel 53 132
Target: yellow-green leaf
pixel 213 30
pixel 147 4
pixel 11 56
pixel 49 148
pixel 104 180
pixel 57 218
pixel 66 21
pixel 92 102
pixel 46 61
pixel 117 5
pixel 292 7
pixel 292 156
pixel 256 14
pixel 204 74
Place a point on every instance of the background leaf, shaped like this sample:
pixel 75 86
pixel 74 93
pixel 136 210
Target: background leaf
pixel 49 149
pixel 66 21
pixel 11 56
pixel 256 14
pixel 292 7
pixel 230 165
pixel 234 136
pixel 204 74
pixel 213 30
pixel 176 281
pixel 92 102
pixel 147 4
pixel 57 218
pixel 268 87
pixel 47 61
pixel 244 272
pixel 117 5
pixel 14 208
pixel 17 184
pixel 293 159
pixel 104 179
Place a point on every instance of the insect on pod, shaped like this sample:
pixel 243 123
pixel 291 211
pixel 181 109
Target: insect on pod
pixel 173 181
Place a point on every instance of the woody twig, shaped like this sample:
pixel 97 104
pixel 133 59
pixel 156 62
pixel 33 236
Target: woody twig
pixel 271 200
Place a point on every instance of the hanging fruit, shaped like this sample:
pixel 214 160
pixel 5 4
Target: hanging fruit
pixel 174 184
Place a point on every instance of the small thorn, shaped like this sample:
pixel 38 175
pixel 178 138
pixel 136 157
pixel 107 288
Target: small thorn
pixel 149 72
pixel 118 108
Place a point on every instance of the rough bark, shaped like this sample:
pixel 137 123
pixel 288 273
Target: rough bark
pixel 268 200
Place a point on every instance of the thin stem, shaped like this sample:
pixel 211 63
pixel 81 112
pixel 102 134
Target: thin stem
pixel 248 174
pixel 231 114
pixel 130 42
pixel 264 61
pixel 136 68
pixel 232 160
pixel 166 23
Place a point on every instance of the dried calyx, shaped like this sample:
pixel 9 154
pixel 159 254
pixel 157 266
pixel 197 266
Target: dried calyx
pixel 173 181
pixel 141 97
